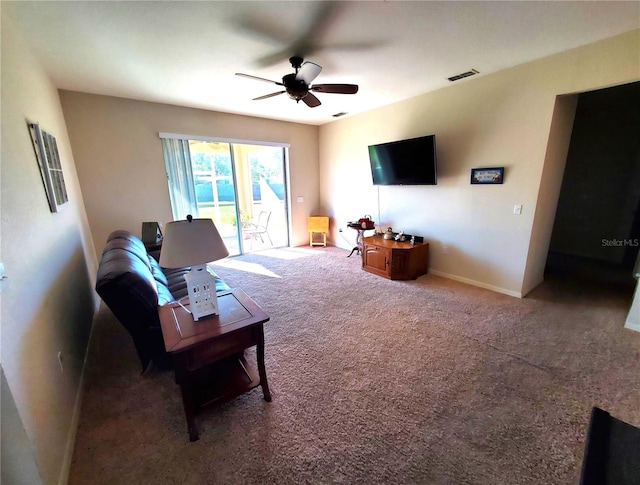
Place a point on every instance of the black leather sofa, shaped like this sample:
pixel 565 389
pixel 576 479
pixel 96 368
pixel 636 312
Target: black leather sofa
pixel 132 284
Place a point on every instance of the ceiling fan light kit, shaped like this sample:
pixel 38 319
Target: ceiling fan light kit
pixel 297 85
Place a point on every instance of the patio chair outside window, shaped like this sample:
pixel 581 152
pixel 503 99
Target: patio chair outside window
pixel 255 230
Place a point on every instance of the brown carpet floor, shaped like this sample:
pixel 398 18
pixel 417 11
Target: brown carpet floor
pixel 373 381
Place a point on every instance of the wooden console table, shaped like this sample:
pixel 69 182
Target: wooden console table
pixel 208 355
pixel 395 260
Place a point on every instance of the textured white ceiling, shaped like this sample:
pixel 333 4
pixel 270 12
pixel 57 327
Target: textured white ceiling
pixel 186 53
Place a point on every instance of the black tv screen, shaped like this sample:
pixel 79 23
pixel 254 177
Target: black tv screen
pixel 404 162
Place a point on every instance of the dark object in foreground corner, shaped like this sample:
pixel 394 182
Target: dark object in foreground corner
pixel 612 451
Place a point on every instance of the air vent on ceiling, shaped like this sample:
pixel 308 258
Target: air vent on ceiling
pixel 338 115
pixel 457 77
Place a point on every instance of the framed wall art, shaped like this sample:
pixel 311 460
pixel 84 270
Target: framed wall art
pixel 48 158
pixel 492 175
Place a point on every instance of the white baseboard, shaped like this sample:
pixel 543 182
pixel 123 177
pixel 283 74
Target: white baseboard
pixel 480 284
pixel 63 478
pixel 71 439
pixel 632 326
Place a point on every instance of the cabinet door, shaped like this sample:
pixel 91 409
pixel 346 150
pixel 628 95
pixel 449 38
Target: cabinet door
pixel 376 260
pixel 400 267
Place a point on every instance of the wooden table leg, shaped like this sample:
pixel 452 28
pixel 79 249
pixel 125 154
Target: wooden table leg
pixel 189 411
pixel 261 369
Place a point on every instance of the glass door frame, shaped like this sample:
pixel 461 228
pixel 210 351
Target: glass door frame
pixel 286 177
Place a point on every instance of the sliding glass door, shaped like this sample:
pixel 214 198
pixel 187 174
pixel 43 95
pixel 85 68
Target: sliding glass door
pixel 213 176
pixel 263 208
pixel 242 188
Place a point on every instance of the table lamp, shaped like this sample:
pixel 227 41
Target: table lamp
pixel 194 242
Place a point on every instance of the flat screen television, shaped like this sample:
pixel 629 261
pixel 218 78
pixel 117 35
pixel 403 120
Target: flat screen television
pixel 404 162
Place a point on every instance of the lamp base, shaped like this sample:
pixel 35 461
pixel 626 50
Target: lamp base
pixel 201 286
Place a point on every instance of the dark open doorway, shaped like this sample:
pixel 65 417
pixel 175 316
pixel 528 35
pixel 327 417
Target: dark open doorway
pixel 596 233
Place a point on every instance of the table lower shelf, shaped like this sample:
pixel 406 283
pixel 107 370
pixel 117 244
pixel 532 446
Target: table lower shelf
pixel 223 380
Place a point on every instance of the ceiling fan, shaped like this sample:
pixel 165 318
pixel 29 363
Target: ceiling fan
pixel 298 86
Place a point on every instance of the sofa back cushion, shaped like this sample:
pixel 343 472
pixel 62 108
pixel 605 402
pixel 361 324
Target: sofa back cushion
pixel 126 284
pixel 129 242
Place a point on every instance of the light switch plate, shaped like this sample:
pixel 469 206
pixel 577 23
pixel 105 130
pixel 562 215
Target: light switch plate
pixel 517 209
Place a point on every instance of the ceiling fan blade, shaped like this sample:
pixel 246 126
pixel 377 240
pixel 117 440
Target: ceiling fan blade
pixel 324 18
pixel 352 46
pixel 258 78
pixel 311 101
pixel 308 72
pixel 305 41
pixel 336 88
pixel 272 59
pixel 268 95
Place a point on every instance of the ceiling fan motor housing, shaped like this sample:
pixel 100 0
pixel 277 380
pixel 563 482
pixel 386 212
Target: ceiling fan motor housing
pixel 296 88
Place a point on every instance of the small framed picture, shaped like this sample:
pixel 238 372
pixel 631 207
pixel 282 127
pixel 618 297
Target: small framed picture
pixel 492 175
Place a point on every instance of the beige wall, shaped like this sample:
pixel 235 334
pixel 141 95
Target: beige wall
pixel 121 168
pixel 550 185
pixel 503 119
pixel 47 302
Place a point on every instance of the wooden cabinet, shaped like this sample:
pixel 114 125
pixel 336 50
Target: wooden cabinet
pixel 394 260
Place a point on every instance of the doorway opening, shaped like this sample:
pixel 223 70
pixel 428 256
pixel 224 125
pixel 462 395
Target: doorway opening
pixel 596 233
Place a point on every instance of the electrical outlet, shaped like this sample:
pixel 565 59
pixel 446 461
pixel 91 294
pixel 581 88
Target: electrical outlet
pixel 445 249
pixel 60 361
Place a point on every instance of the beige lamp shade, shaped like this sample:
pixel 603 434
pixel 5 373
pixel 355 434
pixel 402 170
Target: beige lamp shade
pixel 190 243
